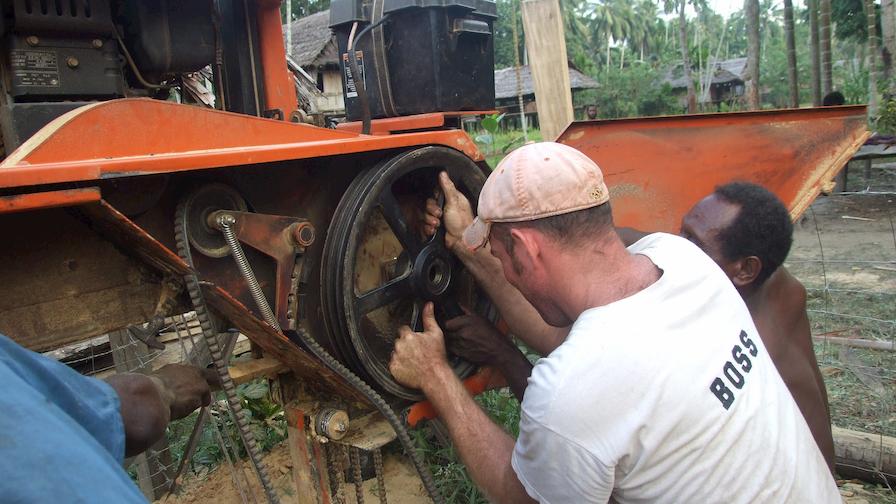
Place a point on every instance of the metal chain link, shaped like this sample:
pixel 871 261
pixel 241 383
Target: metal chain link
pixel 336 470
pixel 380 477
pixel 356 474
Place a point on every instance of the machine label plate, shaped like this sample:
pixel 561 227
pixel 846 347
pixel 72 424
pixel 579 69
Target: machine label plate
pixel 34 68
pixel 351 90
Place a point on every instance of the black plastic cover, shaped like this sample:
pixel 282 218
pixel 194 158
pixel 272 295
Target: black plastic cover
pixel 170 36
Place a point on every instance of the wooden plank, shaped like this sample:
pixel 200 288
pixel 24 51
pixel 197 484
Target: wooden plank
pixel 863 455
pixel 303 473
pixel 369 432
pixel 546 49
pixel 62 283
pixel 242 372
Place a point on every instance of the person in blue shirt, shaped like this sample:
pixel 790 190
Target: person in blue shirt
pixel 64 436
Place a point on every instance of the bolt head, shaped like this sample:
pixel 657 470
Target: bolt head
pixel 72 62
pixel 97 43
pixel 32 40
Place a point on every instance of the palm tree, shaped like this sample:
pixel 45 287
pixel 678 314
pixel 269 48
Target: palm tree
pixel 611 19
pixel 751 12
pixel 871 16
pixel 792 77
pixel 824 20
pixel 814 51
pixel 888 29
pixel 679 6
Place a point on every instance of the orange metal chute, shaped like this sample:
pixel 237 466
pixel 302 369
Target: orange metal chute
pixel 658 168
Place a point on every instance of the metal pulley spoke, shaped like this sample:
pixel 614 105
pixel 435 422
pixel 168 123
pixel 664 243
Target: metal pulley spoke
pixel 392 213
pixel 387 293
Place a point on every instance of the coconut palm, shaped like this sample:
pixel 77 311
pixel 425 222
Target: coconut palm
pixel 792 76
pixel 751 13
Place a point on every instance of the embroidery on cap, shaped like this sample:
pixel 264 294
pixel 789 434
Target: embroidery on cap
pixel 597 193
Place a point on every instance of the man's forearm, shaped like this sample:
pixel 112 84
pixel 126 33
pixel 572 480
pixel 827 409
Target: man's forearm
pixel 521 317
pixel 482 445
pixel 516 369
pixel 145 411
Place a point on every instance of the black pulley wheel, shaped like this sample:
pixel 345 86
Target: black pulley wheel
pixel 379 268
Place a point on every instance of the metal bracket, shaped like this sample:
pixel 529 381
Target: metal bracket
pixel 279 237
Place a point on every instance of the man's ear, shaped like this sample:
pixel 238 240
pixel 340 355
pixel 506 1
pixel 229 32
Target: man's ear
pixel 526 247
pixel 746 271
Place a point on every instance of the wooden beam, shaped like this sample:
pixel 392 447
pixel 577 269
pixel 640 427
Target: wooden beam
pixel 546 48
pixel 866 456
pixel 245 371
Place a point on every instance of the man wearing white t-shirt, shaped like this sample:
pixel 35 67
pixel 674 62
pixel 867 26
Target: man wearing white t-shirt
pixel 662 390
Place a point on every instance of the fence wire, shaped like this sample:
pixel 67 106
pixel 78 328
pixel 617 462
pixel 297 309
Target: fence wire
pixel 844 253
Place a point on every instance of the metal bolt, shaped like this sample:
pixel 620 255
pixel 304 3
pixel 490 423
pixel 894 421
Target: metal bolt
pixel 303 234
pixel 97 43
pixel 72 62
pixel 32 40
pixel 226 220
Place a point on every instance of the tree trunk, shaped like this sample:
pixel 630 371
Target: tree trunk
pixel 872 59
pixel 792 77
pixel 751 13
pixel 685 58
pixel 888 29
pixel 824 28
pixel 814 52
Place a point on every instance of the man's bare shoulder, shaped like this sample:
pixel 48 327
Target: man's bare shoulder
pixel 785 291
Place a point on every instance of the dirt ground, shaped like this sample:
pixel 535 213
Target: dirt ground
pixel 402 484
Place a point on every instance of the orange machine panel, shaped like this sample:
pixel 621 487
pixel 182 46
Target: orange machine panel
pixel 658 168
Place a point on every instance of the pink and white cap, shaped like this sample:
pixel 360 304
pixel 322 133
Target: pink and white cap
pixel 533 182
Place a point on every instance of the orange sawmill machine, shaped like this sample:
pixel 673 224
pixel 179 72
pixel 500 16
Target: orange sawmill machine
pixel 157 159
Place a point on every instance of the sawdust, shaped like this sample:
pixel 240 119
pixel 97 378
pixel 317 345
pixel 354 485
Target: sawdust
pixel 402 484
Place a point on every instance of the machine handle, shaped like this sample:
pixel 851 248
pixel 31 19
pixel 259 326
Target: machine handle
pixel 471 26
pixel 486 378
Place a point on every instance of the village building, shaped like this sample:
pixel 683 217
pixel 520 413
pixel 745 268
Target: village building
pixel 507 102
pixel 314 49
pixel 721 83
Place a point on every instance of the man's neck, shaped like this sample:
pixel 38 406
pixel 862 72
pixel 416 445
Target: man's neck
pixel 610 273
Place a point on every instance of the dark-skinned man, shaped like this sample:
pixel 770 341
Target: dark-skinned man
pixel 747 231
pixel 656 388
pixel 64 436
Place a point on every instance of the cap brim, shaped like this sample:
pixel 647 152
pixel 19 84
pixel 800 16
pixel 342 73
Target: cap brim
pixel 476 234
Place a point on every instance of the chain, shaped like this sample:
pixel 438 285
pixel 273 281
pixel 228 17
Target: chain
pixel 356 474
pixel 380 478
pixel 336 469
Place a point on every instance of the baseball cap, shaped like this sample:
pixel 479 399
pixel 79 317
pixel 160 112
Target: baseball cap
pixel 535 181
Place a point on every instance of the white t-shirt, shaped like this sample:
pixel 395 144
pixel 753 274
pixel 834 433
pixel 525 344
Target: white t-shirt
pixel 667 396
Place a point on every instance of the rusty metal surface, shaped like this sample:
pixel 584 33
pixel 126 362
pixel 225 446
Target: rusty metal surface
pixel 48 199
pixel 277 237
pixel 392 125
pixel 130 137
pixel 123 232
pixel 658 168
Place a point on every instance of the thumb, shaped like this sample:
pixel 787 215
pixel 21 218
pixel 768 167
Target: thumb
pixel 429 318
pixel 448 188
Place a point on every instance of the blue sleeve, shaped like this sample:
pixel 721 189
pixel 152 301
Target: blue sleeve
pixel 91 403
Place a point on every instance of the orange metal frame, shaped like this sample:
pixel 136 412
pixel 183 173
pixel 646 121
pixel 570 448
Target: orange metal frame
pixel 141 136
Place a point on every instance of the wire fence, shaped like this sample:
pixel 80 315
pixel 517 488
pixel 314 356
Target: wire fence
pixel 844 253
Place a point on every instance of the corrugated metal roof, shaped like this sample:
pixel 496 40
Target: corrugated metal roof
pixel 505 81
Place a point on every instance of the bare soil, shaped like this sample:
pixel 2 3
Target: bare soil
pixel 403 486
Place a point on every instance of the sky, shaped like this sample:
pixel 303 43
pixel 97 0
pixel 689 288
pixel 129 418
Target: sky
pixel 726 7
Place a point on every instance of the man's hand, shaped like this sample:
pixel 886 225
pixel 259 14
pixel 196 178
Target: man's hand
pixel 456 215
pixel 476 340
pixel 185 388
pixel 417 354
